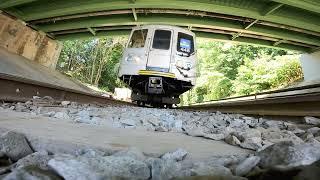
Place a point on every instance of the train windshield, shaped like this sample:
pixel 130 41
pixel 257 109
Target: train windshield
pixel 161 39
pixel 185 43
pixel 138 38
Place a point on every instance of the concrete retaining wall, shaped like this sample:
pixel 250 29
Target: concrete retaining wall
pixel 18 38
pixel 311 66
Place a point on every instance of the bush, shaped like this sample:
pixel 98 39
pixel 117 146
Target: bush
pixel 234 70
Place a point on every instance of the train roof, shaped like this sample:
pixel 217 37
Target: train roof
pixel 155 26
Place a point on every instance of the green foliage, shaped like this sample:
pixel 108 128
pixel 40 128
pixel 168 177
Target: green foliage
pixel 94 61
pixel 226 70
pixel 109 79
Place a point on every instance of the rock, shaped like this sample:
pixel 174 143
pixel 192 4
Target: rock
pixel 177 155
pixel 4 170
pixel 290 126
pixel 223 130
pixel 314 130
pixel 165 169
pixel 132 152
pixel 38 159
pixel 309 172
pixel 237 123
pixel 230 139
pixel 91 153
pixel 298 132
pixel 36 97
pixel 65 103
pixel 128 122
pixel 252 122
pixel 47 98
pixel 161 129
pixel 72 111
pixel 273 173
pixel 216 137
pixel 14 145
pixel 265 144
pixel 108 167
pixel 116 125
pixel 226 160
pixel 96 120
pixel 5 163
pixel 247 134
pixel 28 103
pixel 210 178
pixel 312 140
pixel 31 173
pixel 196 132
pixel 275 135
pixel 247 165
pixel 307 135
pixel 74 104
pixel 247 118
pixel 312 120
pixel 61 115
pixel 253 143
pixel 288 153
pixel 20 107
pixel 177 125
pixel 83 116
pixel 4 159
pixel 154 121
pixel 49 114
pixel 272 124
pixel 202 169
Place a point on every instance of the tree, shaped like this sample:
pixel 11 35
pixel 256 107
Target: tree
pixel 91 60
pixel 227 70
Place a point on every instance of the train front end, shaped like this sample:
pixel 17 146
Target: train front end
pixel 159 64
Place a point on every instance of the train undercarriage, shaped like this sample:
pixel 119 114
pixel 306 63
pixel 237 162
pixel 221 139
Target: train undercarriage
pixel 156 91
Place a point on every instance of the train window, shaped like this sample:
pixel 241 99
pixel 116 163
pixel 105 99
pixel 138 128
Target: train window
pixel 138 38
pixel 161 39
pixel 185 43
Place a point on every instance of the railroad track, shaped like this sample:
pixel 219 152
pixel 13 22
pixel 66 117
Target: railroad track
pixel 18 89
pixel 297 101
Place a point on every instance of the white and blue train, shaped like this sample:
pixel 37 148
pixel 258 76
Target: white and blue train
pixel 159 64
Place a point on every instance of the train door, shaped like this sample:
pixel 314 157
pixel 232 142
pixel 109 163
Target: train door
pixel 160 50
pixel 136 52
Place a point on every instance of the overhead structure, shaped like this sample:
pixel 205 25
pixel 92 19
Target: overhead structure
pixel 288 24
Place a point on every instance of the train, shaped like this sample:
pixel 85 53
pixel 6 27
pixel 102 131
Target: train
pixel 159 64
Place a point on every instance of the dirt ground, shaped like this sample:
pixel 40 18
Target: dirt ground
pixel 55 132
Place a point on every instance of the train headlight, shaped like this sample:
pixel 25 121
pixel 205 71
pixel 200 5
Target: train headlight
pixel 131 58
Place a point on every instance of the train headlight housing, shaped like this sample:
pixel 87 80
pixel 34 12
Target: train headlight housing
pixel 133 58
pixel 184 65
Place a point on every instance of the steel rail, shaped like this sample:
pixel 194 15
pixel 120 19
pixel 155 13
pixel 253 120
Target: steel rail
pixel 18 89
pixel 299 101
